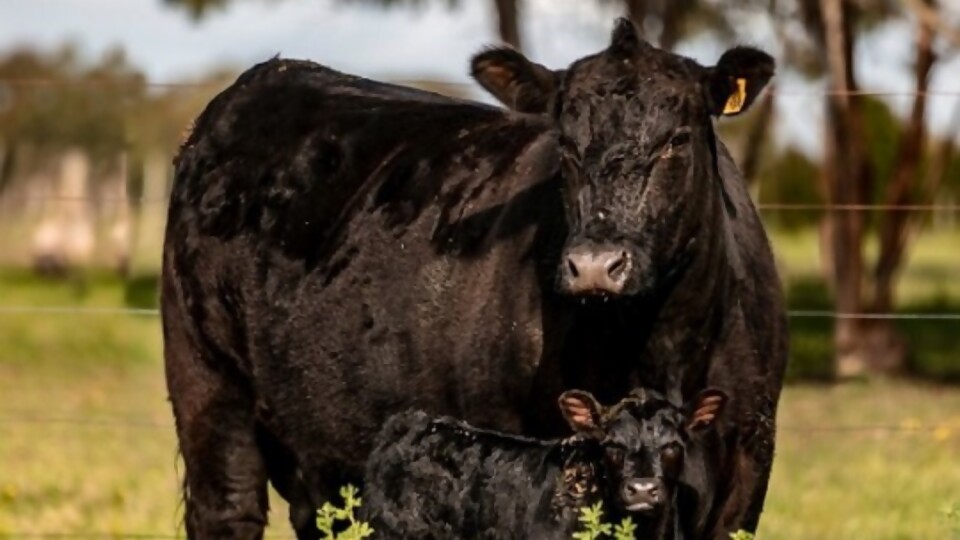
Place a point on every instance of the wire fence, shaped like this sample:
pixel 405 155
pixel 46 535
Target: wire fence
pixel 769 206
pixel 10 419
pixel 106 535
pixel 113 535
pixel 146 312
pixel 464 84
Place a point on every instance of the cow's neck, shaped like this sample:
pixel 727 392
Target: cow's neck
pixel 695 310
pixel 660 341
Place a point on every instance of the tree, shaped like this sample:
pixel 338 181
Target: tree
pixel 851 178
pixel 197 9
pixel 667 22
pixel 58 103
pixel 506 11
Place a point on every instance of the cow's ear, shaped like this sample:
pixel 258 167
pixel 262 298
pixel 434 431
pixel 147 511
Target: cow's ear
pixel 581 410
pixel 625 41
pixel 737 79
pixel 705 410
pixel 516 82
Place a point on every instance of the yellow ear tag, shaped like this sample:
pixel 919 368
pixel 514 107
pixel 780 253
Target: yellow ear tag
pixel 736 99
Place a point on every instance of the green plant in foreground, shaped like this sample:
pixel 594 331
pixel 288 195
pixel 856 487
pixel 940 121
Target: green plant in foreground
pixel 594 528
pixel 625 530
pixel 329 515
pixel 593 525
pixel 742 535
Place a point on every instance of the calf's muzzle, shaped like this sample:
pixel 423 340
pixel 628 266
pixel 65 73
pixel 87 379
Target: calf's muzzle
pixel 642 494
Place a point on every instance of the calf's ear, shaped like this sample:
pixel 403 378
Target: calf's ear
pixel 737 79
pixel 581 410
pixel 518 83
pixel 705 410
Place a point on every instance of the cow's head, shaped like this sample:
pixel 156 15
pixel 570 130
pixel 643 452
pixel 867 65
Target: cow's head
pixel 639 151
pixel 644 440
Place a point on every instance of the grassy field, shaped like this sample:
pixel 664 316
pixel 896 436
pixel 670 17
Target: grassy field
pixel 87 445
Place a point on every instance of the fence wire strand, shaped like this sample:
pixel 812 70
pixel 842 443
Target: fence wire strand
pixel 463 84
pixel 11 418
pixel 146 312
pixel 762 206
pixel 8 418
pixel 105 535
pixel 114 535
pixel 72 310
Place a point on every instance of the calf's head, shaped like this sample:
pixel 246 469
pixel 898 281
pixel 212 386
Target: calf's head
pixel 644 441
pixel 638 148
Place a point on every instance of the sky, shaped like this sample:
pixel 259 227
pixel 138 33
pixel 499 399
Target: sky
pixel 426 42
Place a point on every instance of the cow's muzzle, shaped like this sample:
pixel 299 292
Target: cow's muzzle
pixel 592 269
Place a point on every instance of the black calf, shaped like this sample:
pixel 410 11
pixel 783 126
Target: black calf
pixel 440 478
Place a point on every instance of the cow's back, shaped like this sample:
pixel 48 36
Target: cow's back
pixel 346 249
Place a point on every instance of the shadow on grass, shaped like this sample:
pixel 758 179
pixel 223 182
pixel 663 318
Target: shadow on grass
pixel 141 292
pixel 75 342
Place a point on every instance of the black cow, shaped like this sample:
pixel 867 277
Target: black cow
pixel 439 478
pixel 338 250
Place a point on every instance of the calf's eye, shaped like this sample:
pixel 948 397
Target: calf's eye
pixel 670 453
pixel 671 457
pixel 615 455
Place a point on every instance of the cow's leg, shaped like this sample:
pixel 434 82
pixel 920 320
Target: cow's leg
pixel 740 508
pixel 303 519
pixel 763 465
pixel 225 488
pixel 287 480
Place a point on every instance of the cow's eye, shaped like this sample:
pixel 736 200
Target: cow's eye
pixel 680 139
pixel 675 144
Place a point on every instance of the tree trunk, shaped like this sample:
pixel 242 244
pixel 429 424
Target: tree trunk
pixel 893 229
pixel 8 161
pixel 673 12
pixel 889 347
pixel 940 165
pixel 508 22
pixel 846 174
pixel 637 11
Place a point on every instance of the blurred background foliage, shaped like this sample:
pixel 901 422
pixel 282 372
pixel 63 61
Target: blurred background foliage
pixel 73 128
pixel 86 148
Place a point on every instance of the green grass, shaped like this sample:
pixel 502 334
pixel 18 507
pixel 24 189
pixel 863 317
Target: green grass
pixel 114 471
pixel 72 342
pixel 66 477
pixel 869 483
pixel 60 476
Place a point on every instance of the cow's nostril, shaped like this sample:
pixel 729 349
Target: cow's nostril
pixel 617 265
pixel 573 268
